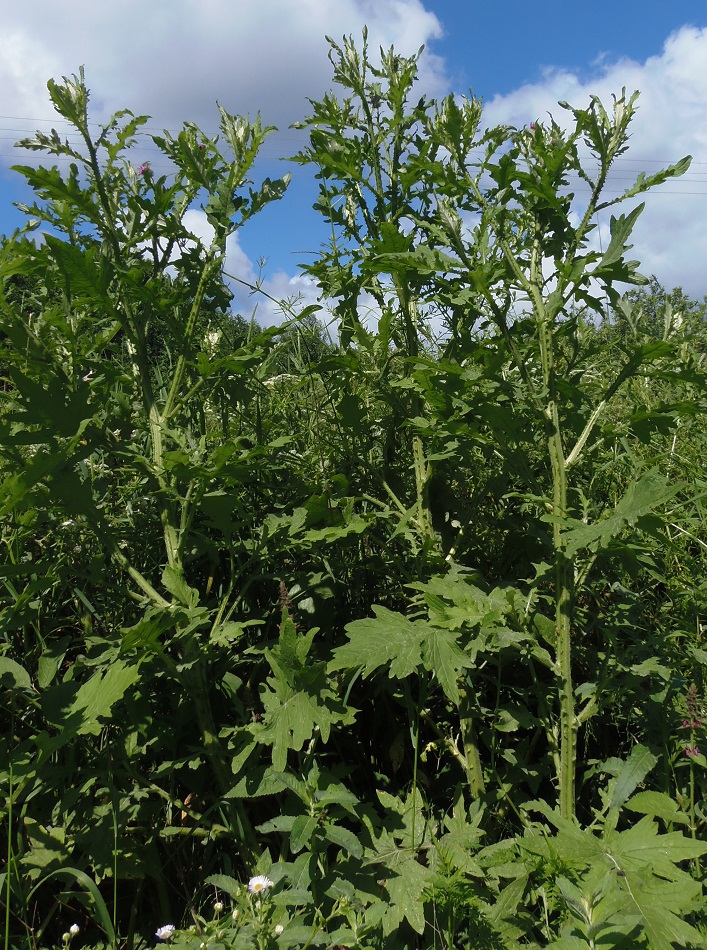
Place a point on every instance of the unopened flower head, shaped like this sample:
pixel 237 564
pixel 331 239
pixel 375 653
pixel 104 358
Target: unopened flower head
pixel 218 907
pixel 258 884
pixel 74 929
pixel 165 933
pixel 278 930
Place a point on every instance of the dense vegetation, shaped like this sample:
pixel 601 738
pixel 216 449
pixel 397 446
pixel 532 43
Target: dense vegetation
pixel 388 639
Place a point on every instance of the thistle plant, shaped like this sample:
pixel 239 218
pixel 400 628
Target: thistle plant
pixel 522 266
pixel 299 638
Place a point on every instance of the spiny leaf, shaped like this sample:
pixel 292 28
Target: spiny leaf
pixel 641 497
pixel 645 182
pixel 621 229
pixel 392 640
pixel 96 697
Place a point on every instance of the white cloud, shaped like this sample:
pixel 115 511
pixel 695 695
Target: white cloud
pixel 670 238
pixel 173 60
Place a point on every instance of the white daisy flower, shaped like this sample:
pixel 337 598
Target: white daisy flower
pixel 165 933
pixel 258 884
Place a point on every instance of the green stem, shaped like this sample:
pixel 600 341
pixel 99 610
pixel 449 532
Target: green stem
pixel 9 862
pixel 421 465
pixel 474 770
pixel 564 578
pixel 241 825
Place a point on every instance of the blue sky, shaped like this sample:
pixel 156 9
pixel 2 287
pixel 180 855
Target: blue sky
pixel 173 59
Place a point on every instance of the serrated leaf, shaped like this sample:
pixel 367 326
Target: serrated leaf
pixel 642 496
pixel 303 828
pixel 406 886
pixel 297 698
pixel 175 583
pixel 403 645
pixel 645 182
pixel 344 838
pixel 657 805
pixel 443 658
pixel 387 639
pixel 631 774
pixel 642 847
pixel 290 719
pixel 620 228
pixel 96 697
pixel 658 904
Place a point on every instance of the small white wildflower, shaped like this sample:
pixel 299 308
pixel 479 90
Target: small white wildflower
pixel 165 933
pixel 278 930
pixel 234 915
pixel 218 907
pixel 74 929
pixel 211 341
pixel 258 884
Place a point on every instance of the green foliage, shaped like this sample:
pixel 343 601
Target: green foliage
pixel 341 616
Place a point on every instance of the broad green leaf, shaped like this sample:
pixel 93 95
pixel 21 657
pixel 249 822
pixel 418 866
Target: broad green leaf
pixel 344 838
pixel 641 847
pixel 657 805
pixel 621 229
pixel 280 823
pixel 297 698
pixel 227 884
pixel 175 583
pixel 660 906
pixel 146 633
pixel 291 716
pixel 303 827
pixel 14 675
pixel 403 645
pixel 569 943
pixel 97 696
pixel 389 639
pixel 631 774
pixel 406 882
